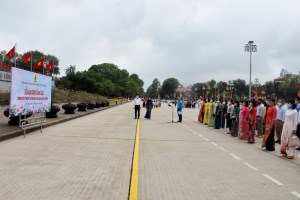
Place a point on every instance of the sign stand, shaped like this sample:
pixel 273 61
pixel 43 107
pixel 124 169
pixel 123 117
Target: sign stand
pixel 34 121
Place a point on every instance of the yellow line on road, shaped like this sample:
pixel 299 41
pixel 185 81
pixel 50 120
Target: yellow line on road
pixel 133 195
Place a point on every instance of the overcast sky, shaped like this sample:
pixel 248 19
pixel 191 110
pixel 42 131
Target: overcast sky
pixel 191 40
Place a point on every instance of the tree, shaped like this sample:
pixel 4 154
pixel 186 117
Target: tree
pixel 70 70
pixel 168 87
pixel 152 90
pixel 289 87
pixel 138 82
pixel 269 88
pixel 211 87
pixel 108 70
pixel 197 89
pixel 132 87
pixel 240 87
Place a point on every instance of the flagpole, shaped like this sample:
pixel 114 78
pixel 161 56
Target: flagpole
pixel 1 61
pixel 53 68
pixel 31 61
pixel 15 55
pixel 44 66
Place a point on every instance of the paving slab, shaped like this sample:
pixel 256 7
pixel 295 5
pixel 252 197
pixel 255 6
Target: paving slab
pixel 187 161
pixel 91 158
pixel 7 131
pixel 86 158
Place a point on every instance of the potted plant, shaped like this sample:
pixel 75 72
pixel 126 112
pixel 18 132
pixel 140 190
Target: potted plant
pixel 82 106
pixel 69 107
pixel 98 104
pixel 91 105
pixel 15 120
pixel 53 111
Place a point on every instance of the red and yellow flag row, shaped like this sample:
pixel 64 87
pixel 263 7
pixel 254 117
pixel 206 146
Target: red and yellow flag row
pixel 28 58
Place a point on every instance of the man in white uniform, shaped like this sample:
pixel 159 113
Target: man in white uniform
pixel 137 106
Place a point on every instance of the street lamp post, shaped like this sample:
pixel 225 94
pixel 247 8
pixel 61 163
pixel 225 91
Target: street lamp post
pixel 203 89
pixel 250 47
pixel 230 88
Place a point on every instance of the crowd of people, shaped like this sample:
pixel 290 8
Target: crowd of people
pixel 273 121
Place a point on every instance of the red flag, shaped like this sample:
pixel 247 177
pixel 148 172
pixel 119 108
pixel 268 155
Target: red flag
pixel 39 64
pixel 11 54
pixel 49 67
pixel 27 58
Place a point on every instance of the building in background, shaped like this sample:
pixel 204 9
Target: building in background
pixel 5 78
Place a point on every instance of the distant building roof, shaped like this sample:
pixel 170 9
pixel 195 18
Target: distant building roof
pixel 279 79
pixel 183 90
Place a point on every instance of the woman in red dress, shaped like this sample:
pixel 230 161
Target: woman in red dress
pixel 201 112
pixel 252 122
pixel 244 125
pixel 269 136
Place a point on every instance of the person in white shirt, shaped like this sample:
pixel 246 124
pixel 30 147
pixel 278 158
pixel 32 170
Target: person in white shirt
pixel 289 129
pixel 137 106
pixel 259 117
pixel 279 119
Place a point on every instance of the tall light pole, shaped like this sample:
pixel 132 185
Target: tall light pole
pixel 250 47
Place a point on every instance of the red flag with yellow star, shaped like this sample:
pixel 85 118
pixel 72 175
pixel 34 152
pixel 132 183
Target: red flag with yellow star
pixel 39 64
pixel 11 54
pixel 27 58
pixel 49 67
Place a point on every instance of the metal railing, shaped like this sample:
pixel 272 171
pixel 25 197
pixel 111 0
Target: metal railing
pixel 33 121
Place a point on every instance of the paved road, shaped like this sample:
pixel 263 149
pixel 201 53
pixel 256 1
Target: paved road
pixel 91 158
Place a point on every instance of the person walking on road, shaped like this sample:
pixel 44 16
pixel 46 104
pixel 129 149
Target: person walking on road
pixel 289 129
pixel 179 109
pixel 149 106
pixel 137 106
pixel 269 136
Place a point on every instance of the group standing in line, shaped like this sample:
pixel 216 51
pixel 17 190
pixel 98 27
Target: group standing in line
pixel 263 119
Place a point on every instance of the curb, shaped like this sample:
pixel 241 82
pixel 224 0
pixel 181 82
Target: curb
pixel 17 133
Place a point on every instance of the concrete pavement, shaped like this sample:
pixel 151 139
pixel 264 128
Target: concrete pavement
pixel 86 158
pixel 91 158
pixel 192 161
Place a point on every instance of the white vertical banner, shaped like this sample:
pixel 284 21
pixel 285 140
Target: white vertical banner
pixel 30 92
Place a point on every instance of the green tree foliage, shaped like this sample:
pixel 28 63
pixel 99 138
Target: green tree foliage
pixel 240 87
pixel 168 87
pixel 134 85
pixel 221 86
pixel 104 79
pixel 212 84
pixel 289 87
pixel 199 89
pixel 152 90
